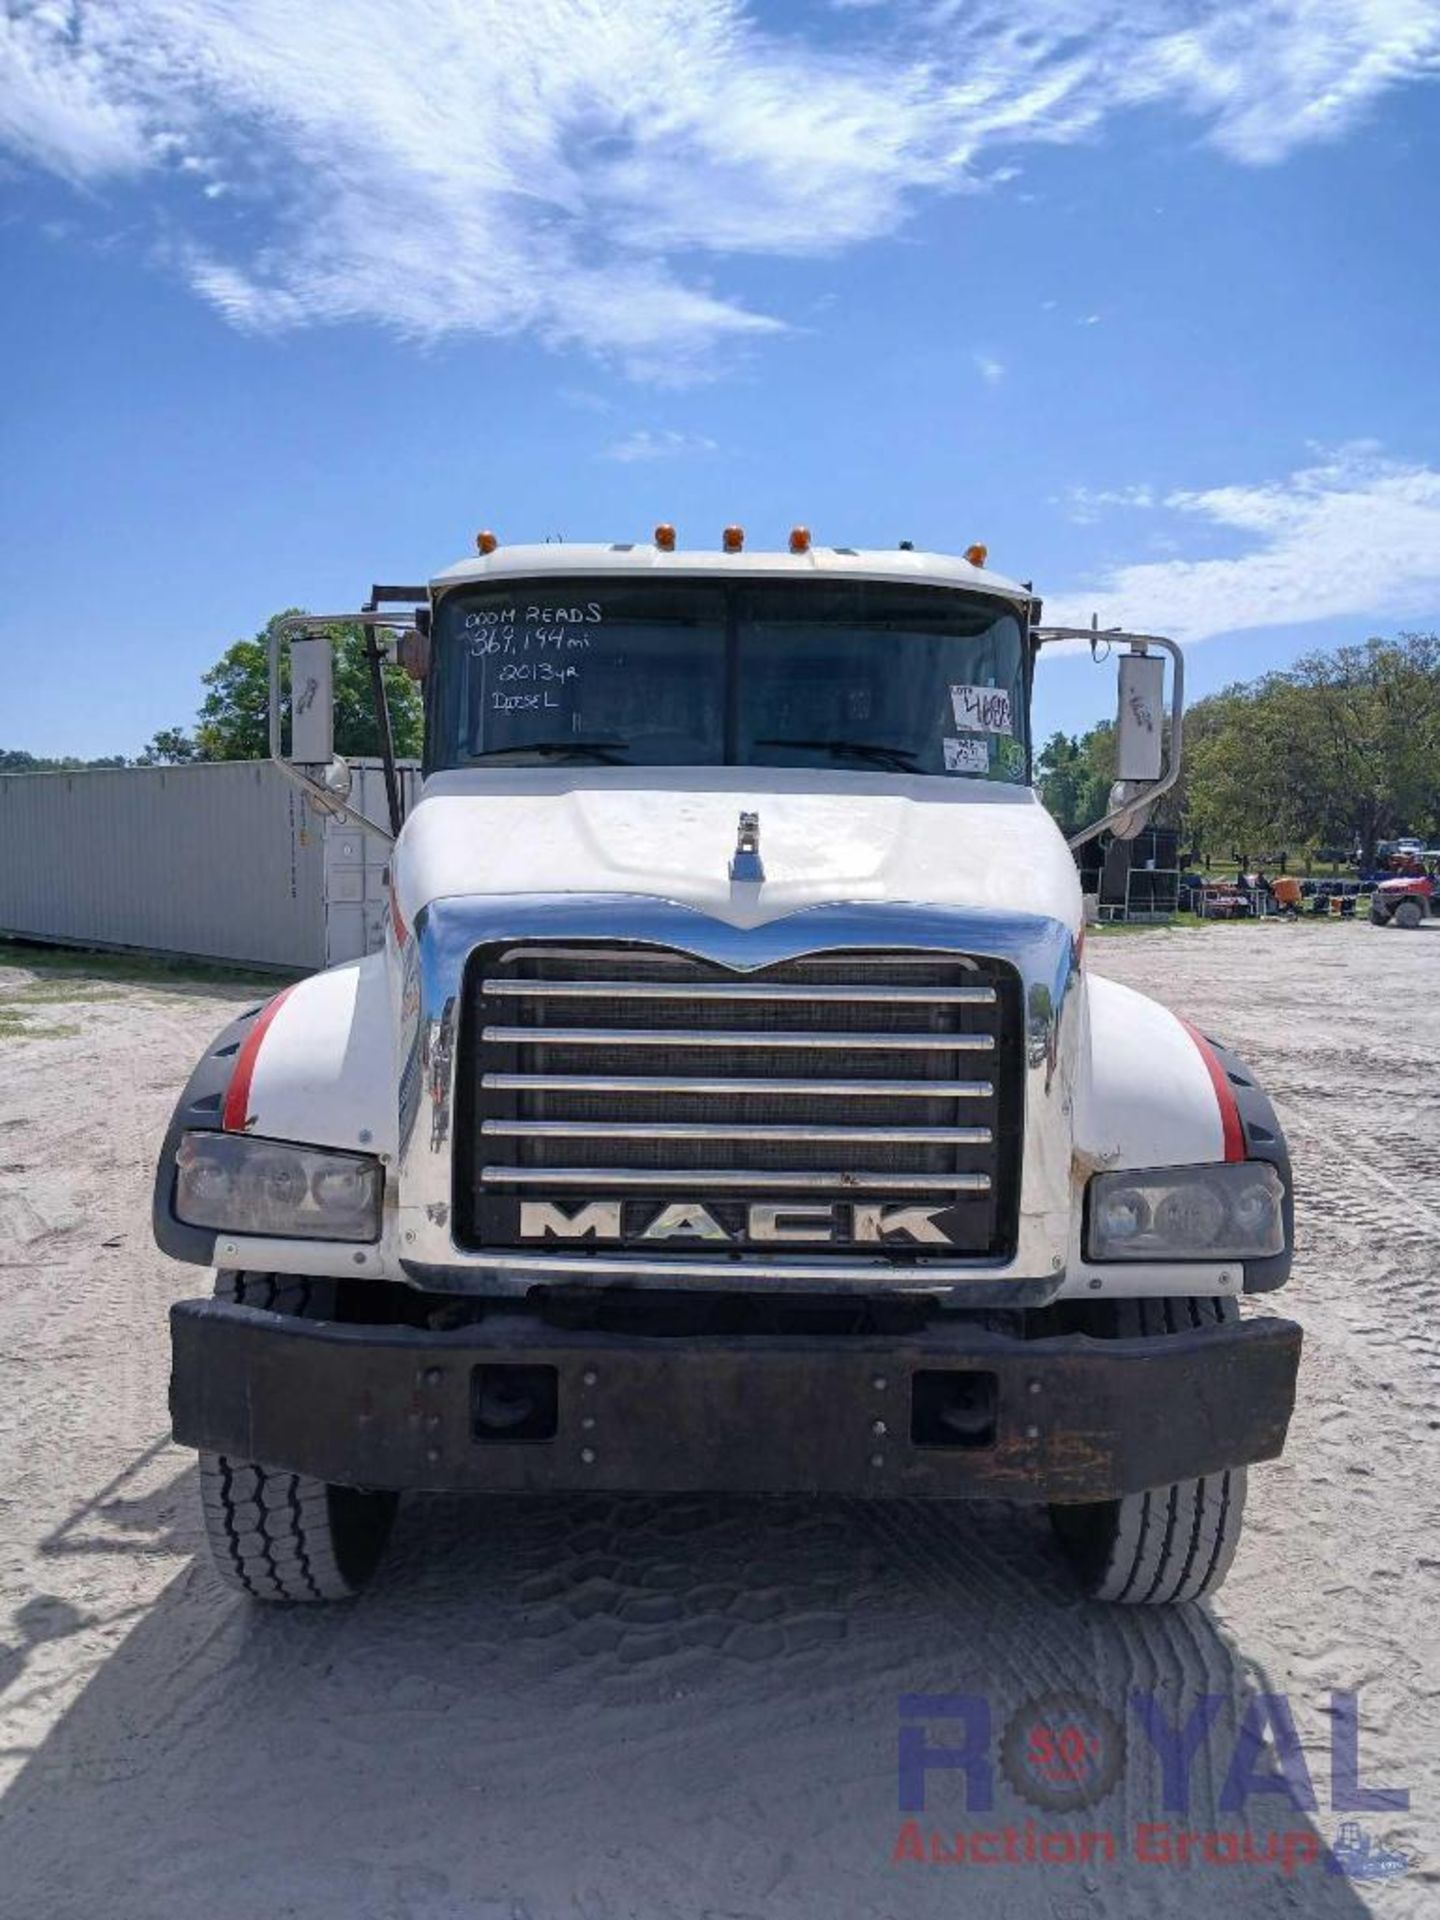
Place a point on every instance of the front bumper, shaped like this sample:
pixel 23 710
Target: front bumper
pixel 1071 1418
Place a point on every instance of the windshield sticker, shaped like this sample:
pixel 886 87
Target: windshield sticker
pixel 967 756
pixel 981 709
pixel 1012 759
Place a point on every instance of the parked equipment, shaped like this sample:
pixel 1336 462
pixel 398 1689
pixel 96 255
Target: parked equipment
pixel 1410 899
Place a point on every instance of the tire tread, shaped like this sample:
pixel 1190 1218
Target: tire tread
pixel 1172 1543
pixel 276 1535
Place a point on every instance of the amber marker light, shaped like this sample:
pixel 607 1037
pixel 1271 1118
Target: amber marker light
pixel 486 542
pixel 799 539
pixel 733 539
pixel 665 537
pixel 978 554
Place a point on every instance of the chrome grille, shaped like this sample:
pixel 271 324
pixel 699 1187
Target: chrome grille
pixel 641 1076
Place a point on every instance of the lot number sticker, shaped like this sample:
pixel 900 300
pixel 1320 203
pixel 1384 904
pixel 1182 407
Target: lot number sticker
pixel 982 709
pixel 967 756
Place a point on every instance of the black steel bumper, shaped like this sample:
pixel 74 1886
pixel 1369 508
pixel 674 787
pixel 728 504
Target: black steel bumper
pixel 1066 1418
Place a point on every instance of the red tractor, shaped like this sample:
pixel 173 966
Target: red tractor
pixel 1410 898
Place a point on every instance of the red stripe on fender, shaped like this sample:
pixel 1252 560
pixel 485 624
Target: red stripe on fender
pixel 1224 1093
pixel 397 919
pixel 237 1095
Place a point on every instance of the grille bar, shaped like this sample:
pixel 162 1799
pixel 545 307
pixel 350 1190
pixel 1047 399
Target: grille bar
pixel 736 1178
pixel 668 960
pixel 670 1083
pixel 704 1130
pixel 673 1037
pixel 740 990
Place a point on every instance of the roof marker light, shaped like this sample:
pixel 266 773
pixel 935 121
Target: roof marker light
pixel 665 537
pixel 733 539
pixel 799 539
pixel 978 554
pixel 486 542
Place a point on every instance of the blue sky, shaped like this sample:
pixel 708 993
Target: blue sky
pixel 1146 298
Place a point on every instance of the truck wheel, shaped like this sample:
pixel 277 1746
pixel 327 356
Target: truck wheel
pixel 1409 914
pixel 1378 915
pixel 278 1535
pixel 1172 1542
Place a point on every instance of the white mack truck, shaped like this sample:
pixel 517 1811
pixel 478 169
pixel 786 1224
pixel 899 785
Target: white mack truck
pixel 731 1106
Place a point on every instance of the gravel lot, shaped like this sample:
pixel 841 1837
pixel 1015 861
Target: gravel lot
pixel 688 1708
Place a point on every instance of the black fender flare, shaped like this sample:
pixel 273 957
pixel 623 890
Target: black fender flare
pixel 200 1109
pixel 1264 1140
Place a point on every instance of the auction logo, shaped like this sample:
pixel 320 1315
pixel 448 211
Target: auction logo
pixel 1064 1752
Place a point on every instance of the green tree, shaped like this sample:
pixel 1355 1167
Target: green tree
pixel 170 747
pixel 234 719
pixel 16 760
pixel 1342 748
pixel 1074 774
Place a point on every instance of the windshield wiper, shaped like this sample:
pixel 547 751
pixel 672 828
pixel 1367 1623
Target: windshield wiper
pixel 899 757
pixel 611 750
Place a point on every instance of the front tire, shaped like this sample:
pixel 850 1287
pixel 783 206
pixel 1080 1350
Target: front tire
pixel 1170 1543
pixel 282 1536
pixel 1409 914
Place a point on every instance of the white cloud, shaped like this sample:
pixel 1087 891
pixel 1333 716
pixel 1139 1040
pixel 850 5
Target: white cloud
pixel 1085 505
pixel 562 168
pixel 1355 535
pixel 585 400
pixel 59 108
pixel 647 444
pixel 990 369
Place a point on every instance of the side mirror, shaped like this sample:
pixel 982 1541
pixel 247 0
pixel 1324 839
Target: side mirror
pixel 413 653
pixel 312 702
pixel 331 792
pixel 1127 822
pixel 1147 762
pixel 312 715
pixel 1140 720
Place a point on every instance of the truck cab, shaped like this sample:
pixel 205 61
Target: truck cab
pixel 732 1106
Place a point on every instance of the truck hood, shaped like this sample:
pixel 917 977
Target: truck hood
pixel 670 833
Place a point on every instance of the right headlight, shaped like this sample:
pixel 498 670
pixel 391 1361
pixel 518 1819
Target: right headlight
pixel 1234 1212
pixel 241 1185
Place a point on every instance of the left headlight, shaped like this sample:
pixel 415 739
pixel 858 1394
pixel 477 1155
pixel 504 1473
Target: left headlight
pixel 1234 1212
pixel 238 1185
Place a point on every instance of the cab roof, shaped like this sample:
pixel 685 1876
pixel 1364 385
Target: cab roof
pixel 643 557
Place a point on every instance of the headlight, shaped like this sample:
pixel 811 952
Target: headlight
pixel 1187 1213
pixel 239 1185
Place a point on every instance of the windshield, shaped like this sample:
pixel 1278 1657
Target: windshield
pixel 707 673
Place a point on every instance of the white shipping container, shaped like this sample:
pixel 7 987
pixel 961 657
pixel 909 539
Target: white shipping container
pixel 224 861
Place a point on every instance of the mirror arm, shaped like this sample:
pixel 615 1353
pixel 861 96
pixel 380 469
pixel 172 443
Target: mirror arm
pixel 375 656
pixel 290 627
pixel 1138 643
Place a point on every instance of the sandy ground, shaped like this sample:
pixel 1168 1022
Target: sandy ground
pixel 689 1708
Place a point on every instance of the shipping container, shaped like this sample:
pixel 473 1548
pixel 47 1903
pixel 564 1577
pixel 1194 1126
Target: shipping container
pixel 224 861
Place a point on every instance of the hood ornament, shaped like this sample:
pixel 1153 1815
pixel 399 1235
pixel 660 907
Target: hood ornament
pixel 745 862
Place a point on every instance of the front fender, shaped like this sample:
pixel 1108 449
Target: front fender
pixel 324 1074
pixel 1155 1092
pixel 315 1064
